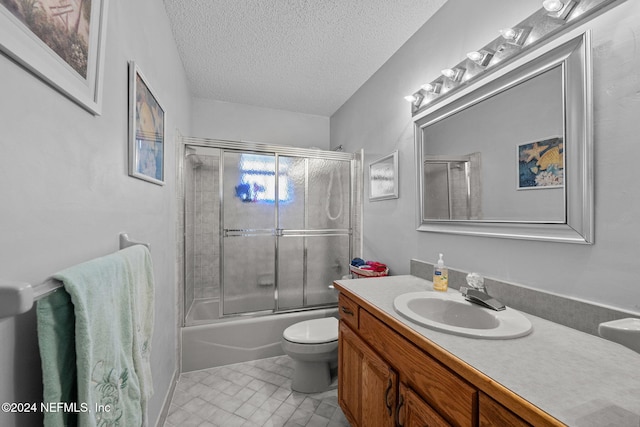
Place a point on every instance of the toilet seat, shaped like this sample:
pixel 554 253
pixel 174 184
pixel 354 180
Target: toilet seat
pixel 313 331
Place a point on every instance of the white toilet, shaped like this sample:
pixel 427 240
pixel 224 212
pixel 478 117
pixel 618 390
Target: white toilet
pixel 313 346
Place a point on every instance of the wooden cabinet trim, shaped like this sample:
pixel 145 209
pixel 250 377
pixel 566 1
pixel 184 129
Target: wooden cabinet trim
pixel 348 311
pixel 493 414
pixel 429 378
pixel 413 411
pixel 350 375
pixel 372 402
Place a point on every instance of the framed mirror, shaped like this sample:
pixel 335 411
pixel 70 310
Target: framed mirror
pixel 513 158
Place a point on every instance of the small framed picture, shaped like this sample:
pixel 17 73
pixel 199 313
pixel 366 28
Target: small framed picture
pixel 383 178
pixel 540 164
pixel 146 129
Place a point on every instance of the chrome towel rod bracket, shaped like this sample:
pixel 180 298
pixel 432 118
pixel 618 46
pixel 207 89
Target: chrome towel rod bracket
pixel 18 297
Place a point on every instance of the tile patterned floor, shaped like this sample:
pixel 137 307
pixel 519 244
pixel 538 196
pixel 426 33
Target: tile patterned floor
pixel 250 394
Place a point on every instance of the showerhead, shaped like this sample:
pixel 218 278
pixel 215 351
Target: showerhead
pixel 193 158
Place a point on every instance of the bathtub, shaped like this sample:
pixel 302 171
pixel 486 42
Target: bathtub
pixel 203 311
pixel 239 339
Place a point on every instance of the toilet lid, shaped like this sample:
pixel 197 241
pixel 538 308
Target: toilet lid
pixel 313 331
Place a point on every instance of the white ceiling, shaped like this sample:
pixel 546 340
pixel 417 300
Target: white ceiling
pixel 306 56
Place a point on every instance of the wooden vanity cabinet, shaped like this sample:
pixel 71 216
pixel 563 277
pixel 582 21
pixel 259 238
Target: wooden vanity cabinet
pixel 492 414
pixel 385 379
pixel 368 387
pixel 412 411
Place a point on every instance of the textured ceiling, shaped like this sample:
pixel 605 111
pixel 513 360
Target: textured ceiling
pixel 298 55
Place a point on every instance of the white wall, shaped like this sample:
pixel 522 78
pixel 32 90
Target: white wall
pixel 377 118
pixel 65 194
pixel 240 122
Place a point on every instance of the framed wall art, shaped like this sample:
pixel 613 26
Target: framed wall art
pixel 147 121
pixel 540 164
pixel 60 42
pixel 383 178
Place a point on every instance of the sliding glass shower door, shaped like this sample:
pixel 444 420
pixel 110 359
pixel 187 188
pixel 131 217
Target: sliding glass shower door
pixel 248 232
pixel 314 231
pixel 285 230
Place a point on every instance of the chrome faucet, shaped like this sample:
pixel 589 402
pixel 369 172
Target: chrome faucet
pixel 477 293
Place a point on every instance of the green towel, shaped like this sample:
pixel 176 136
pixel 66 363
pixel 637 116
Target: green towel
pixel 95 342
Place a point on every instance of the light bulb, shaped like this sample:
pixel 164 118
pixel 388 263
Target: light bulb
pixel 475 56
pixel 454 74
pixel 508 33
pixel 482 58
pixel 552 5
pixel 415 99
pixel 432 87
pixel 448 73
pixel 559 9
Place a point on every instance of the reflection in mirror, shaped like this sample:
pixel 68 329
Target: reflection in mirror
pixel 452 187
pixel 512 158
pixel 523 116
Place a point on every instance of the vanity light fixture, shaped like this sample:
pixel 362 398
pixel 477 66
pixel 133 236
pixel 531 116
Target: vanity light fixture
pixel 558 9
pixel 432 87
pixel 481 58
pixel 454 74
pixel 516 36
pixel 415 99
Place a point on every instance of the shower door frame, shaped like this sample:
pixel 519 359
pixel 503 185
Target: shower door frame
pixel 278 151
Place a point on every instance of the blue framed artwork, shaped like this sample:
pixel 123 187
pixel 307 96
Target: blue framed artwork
pixel 146 130
pixel 540 164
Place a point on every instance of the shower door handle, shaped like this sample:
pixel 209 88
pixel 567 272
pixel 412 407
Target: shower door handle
pixel 245 232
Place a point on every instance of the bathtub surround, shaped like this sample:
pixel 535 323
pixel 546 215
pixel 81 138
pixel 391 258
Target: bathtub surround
pixel 582 315
pixel 240 339
pixel 235 254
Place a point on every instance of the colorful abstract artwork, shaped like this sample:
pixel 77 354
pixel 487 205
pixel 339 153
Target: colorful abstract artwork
pixel 541 164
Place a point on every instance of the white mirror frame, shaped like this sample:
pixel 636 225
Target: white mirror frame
pixel 574 55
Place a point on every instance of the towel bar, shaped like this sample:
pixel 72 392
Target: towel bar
pixel 18 297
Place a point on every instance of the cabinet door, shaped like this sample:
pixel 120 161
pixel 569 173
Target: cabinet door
pixel 349 374
pixel 379 391
pixel 415 412
pixel 367 385
pixel 494 414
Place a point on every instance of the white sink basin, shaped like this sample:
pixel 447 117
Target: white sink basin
pixel 623 331
pixel 451 313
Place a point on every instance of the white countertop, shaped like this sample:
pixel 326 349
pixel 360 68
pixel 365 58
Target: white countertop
pixel 580 379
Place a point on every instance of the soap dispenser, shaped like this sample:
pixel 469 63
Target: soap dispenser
pixel 440 276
